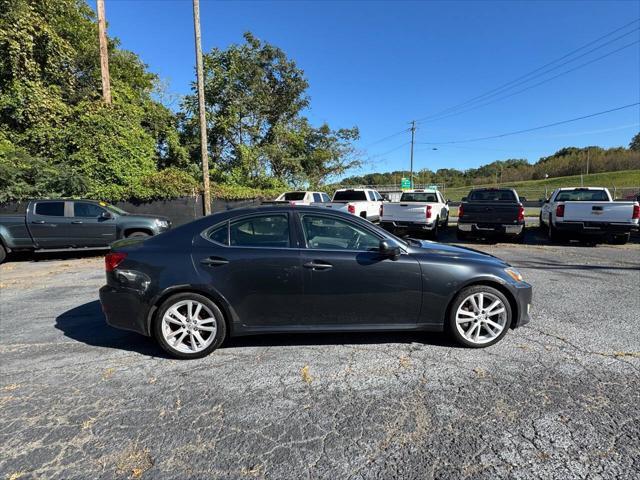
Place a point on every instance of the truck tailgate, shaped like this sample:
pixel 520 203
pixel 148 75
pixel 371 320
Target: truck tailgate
pixel 404 212
pixel 339 206
pixel 491 212
pixel 610 212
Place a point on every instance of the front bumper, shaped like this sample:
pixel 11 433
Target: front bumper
pixel 491 228
pixel 391 225
pixel 125 309
pixel 523 294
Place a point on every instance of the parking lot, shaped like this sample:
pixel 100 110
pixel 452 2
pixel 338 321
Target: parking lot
pixel 555 399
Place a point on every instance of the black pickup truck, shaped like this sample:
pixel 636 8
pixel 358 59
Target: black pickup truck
pixel 71 224
pixel 491 212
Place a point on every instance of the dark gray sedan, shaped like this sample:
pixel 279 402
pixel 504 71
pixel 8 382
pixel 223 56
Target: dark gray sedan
pixel 285 268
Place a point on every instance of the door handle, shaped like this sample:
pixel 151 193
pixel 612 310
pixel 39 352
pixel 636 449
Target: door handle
pixel 76 222
pixel 38 222
pixel 214 261
pixel 315 265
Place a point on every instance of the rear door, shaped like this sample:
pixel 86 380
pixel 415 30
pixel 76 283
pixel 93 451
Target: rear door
pixel 89 228
pixel 254 263
pixel 48 222
pixel 348 283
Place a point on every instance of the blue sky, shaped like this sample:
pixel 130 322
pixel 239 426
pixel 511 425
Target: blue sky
pixel 380 64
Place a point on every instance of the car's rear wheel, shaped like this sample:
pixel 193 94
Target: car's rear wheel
pixel 553 233
pixel 460 235
pixel 479 316
pixel 620 239
pixel 434 232
pixel 138 234
pixel 3 253
pixel 189 325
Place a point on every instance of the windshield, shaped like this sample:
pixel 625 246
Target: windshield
pixel 349 195
pixel 492 196
pixel 113 209
pixel 582 196
pixel 419 197
pixel 292 196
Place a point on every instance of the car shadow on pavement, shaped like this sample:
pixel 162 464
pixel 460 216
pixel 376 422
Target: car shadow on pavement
pixel 86 324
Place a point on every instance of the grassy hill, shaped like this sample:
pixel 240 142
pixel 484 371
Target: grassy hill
pixel 622 182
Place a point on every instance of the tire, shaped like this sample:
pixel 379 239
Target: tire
pixel 620 239
pixel 434 233
pixel 541 224
pixel 445 225
pixel 460 235
pixel 3 253
pixel 487 335
pixel 163 330
pixel 519 238
pixel 553 234
pixel 138 234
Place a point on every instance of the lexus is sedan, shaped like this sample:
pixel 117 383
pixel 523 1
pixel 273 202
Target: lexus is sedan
pixel 287 268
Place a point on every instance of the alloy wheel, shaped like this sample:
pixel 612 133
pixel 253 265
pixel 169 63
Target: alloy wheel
pixel 189 326
pixel 481 317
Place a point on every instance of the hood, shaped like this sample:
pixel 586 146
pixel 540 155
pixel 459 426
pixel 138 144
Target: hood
pixel 454 251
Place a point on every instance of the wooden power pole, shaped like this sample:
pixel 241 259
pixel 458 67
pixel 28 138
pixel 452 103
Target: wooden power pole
pixel 201 109
pixel 413 133
pixel 104 53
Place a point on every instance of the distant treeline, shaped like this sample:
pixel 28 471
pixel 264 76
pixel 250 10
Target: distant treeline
pixel 567 161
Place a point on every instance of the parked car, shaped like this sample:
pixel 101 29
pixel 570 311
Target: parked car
pixel 71 224
pixel 283 268
pixel 417 211
pixel 588 211
pixel 363 202
pixel 491 212
pixel 303 198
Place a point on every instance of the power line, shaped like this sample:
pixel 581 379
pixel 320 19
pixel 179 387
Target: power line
pixel 534 128
pixel 404 130
pixel 539 83
pixel 501 87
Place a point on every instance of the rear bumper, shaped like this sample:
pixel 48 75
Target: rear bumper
pixel 595 228
pixel 125 309
pixel 523 294
pixel 491 228
pixel 391 225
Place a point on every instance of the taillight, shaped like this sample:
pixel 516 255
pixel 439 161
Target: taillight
pixel 560 211
pixel 521 214
pixel 381 210
pixel 460 211
pixel 351 209
pixel 112 260
pixel 428 211
pixel 636 212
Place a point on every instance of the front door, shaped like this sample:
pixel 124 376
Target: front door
pixel 89 228
pixel 251 262
pixel 348 283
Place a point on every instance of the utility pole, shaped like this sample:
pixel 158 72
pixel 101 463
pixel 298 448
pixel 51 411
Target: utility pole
pixel 104 53
pixel 413 134
pixel 201 108
pixel 588 151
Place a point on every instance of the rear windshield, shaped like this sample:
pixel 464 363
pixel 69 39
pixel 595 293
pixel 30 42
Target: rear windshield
pixel 582 196
pixel 492 196
pixel 289 196
pixel 349 195
pixel 418 197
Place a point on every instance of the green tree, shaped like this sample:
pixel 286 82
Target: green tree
pixel 635 143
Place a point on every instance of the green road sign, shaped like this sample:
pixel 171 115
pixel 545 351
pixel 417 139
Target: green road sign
pixel 405 184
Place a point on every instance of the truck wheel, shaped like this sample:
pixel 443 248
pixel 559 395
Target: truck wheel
pixel 541 223
pixel 3 253
pixel 138 234
pixel 554 235
pixel 460 235
pixel 620 239
pixel 434 232
pixel 446 222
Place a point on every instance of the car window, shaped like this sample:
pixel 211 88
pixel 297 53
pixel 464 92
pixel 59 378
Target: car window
pixel 492 196
pixel 317 197
pixel 328 233
pixel 418 197
pixel 260 231
pixel 372 197
pixel 220 234
pixel 378 196
pixel 349 196
pixel 582 196
pixel 88 210
pixel 293 196
pixel 50 209
pixel 325 197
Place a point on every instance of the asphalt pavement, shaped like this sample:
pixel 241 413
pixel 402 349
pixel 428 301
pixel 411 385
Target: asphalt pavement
pixel 556 399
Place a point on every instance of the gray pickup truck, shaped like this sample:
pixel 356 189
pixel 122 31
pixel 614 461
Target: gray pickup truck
pixel 72 224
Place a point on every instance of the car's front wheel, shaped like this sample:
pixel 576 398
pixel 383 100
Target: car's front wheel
pixel 479 316
pixel 189 325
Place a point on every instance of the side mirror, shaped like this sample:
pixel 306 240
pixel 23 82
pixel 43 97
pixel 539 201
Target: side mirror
pixel 464 199
pixel 448 202
pixel 385 198
pixel 105 216
pixel 523 199
pixel 389 251
pixel 546 200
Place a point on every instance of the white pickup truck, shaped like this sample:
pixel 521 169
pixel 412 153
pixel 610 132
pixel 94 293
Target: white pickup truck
pixel 362 202
pixel 417 211
pixel 302 197
pixel 577 212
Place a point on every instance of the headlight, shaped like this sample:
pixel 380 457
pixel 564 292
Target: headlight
pixel 162 223
pixel 513 273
